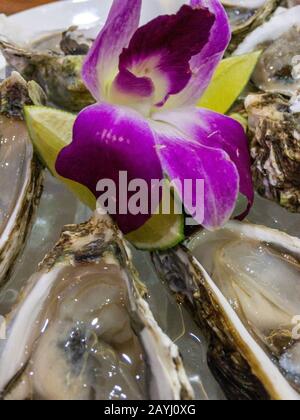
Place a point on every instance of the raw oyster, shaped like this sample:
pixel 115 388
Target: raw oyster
pixel 58 74
pixel 83 330
pixel 275 148
pixel 245 16
pixel 241 285
pixel 20 174
pixel 76 42
pixel 280 39
pixel 276 70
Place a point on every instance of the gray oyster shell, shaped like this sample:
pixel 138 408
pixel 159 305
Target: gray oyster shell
pixel 276 69
pixel 241 284
pixel 75 42
pixel 58 74
pixel 275 148
pixel 82 329
pixel 244 19
pixel 279 40
pixel 20 173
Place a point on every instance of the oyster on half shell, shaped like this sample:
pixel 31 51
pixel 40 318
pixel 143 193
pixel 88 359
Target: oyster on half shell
pixel 246 15
pixel 20 174
pixel 242 286
pixel 275 148
pixel 83 329
pixel 279 38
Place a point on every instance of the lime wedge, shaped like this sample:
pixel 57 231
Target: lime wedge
pixel 161 232
pixel 229 80
pixel 50 131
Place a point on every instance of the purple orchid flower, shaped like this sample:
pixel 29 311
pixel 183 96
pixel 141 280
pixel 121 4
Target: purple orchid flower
pixel 146 82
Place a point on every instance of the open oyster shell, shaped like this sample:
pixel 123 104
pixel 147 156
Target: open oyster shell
pixel 20 173
pixel 275 148
pixel 242 286
pixel 58 74
pixel 246 15
pixel 279 38
pixel 83 330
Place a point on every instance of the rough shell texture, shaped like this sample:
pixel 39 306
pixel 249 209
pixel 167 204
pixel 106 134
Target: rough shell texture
pixel 57 74
pixel 14 93
pixel 275 149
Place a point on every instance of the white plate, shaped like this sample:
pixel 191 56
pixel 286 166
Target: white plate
pixel 61 15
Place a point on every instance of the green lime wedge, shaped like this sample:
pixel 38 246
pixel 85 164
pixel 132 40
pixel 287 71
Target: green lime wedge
pixel 229 80
pixel 161 232
pixel 50 131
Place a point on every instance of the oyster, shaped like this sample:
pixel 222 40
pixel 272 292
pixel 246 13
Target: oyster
pixel 280 39
pixel 58 74
pixel 76 42
pixel 83 330
pixel 242 286
pixel 275 148
pixel 245 16
pixel 20 175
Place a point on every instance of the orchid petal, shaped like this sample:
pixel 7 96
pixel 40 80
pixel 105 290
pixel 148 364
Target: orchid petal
pixel 101 64
pixel 106 141
pixel 183 159
pixel 161 51
pixel 203 65
pixel 219 132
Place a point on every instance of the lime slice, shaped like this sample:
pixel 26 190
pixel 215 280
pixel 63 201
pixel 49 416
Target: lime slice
pixel 161 232
pixel 229 80
pixel 50 131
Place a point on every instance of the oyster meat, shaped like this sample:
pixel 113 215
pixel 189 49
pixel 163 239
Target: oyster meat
pixel 242 286
pixel 83 329
pixel 275 148
pixel 279 39
pixel 245 16
pixel 20 174
pixel 77 42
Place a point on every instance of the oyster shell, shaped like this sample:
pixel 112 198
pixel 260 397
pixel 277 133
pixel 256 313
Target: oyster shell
pixel 275 148
pixel 242 286
pixel 76 42
pixel 20 174
pixel 245 16
pixel 83 330
pixel 58 74
pixel 280 40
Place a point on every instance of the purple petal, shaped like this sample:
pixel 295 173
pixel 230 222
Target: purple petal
pixel 183 160
pixel 107 140
pixel 162 49
pixel 219 132
pixel 101 64
pixel 204 64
